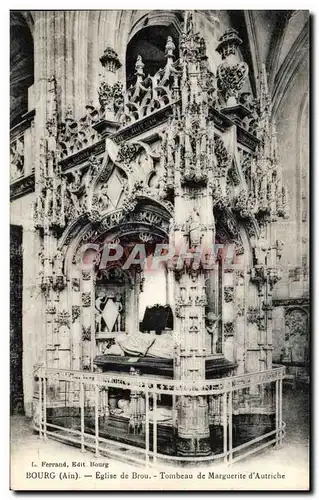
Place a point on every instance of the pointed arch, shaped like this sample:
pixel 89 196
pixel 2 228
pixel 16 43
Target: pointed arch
pixel 149 216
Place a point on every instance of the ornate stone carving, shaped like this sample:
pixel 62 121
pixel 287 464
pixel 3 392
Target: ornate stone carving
pixel 46 284
pixel 279 248
pixel 295 273
pixel 240 309
pixel 86 299
pixel 76 284
pixel 110 60
pixel 17 158
pixel 274 275
pixel 153 92
pixel 212 329
pixel 22 186
pixel 252 314
pixel 231 74
pixel 228 293
pixel 194 228
pixel 245 204
pixel 240 275
pixel 192 45
pixel 86 333
pixel 233 175
pixel 296 323
pixel 258 274
pixel 100 202
pixel 127 153
pixel 111 99
pixel 229 329
pixel 63 318
pixel 291 302
pixel 222 156
pixel 78 184
pixel 86 275
pixel 50 310
pixel 76 312
pixel 58 282
pixel 193 164
pixel 76 135
pixel 146 237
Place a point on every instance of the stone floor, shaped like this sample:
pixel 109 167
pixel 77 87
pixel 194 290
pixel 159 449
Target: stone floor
pixel 291 459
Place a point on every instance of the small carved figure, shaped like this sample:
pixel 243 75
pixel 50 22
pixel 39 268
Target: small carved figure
pixel 261 250
pixel 161 185
pixel 99 306
pixel 58 262
pixel 194 228
pixel 279 248
pixel 211 327
pixel 104 200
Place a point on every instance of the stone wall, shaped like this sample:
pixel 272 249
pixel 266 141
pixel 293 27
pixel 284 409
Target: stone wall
pixel 292 292
pixel 21 213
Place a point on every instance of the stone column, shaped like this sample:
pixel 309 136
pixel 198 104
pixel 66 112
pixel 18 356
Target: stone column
pixel 131 308
pixel 193 429
pixel 86 287
pixel 76 333
pixel 240 319
pixel 229 313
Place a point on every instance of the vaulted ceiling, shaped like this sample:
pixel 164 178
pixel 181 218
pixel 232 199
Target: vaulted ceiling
pixel 279 39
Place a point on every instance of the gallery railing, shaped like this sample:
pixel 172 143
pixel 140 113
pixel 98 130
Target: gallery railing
pixel 84 409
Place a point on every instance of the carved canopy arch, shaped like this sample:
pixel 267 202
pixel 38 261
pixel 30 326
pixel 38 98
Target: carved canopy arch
pixel 149 221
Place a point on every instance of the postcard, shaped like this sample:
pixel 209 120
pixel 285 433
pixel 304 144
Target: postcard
pixel 159 250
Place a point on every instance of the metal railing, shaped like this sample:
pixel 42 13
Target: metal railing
pixel 244 413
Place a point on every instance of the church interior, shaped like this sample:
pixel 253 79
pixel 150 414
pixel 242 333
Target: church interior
pixel 147 130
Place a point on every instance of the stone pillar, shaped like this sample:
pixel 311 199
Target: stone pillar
pixel 229 314
pixel 75 332
pixel 193 429
pixel 193 435
pixel 86 288
pixel 131 308
pixel 193 229
pixel 240 319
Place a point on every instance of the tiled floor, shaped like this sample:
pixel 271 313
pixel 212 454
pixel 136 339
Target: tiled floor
pixel 292 457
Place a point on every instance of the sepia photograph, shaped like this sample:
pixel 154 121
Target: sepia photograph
pixel 159 250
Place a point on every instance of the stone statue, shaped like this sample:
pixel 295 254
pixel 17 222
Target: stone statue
pixel 279 249
pixel 58 262
pixel 194 228
pixel 104 198
pixel 211 328
pixel 99 306
pixel 261 250
pixel 161 186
